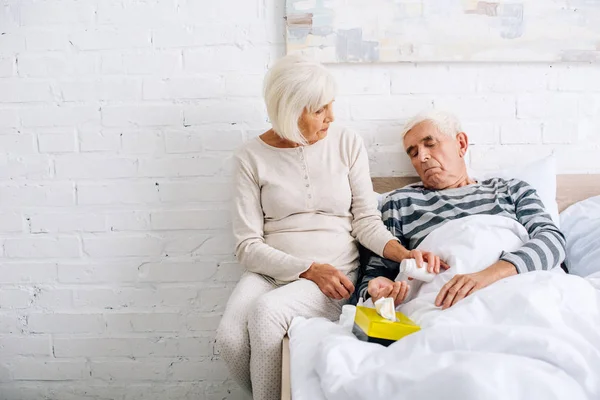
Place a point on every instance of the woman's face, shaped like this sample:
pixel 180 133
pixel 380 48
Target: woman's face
pixel 314 125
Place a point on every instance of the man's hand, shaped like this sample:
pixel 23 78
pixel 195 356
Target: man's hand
pixel 382 287
pixel 332 282
pixel 461 286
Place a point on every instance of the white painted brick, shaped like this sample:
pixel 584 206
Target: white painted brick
pixel 177 272
pixel 146 322
pixel 579 78
pixel 180 167
pixel 589 130
pixel 30 167
pixel 23 91
pixel 492 157
pixel 226 58
pixel 231 11
pixel 589 105
pixel 164 63
pixel 390 161
pixel 57 64
pixel 132 347
pixel 116 193
pixel 198 87
pixel 480 107
pixel 183 243
pixel 229 271
pixel 21 273
pixel 138 14
pixel 108 89
pixel 111 38
pixel 189 370
pixel 47 194
pixel 7 66
pixel 384 108
pixel 214 299
pixel 9 15
pixel 47 38
pixel 234 111
pixel 518 78
pixel 9 118
pixel 98 140
pixel 139 299
pixel 122 246
pixel 59 142
pixel 48 370
pixel 481 132
pixel 191 219
pixel 42 247
pixel 434 79
pixel 12 42
pixel 237 84
pixel 194 191
pixel 188 141
pixel 561 132
pixel 128 221
pixel 141 115
pixel 353 81
pixel 11 223
pixel 203 322
pixel 520 132
pixel 66 222
pixel 149 141
pixel 65 323
pixel 218 244
pixel 9 323
pixel 56 12
pixel 33 345
pixel 14 298
pixel 210 33
pixel 147 369
pixel 51 299
pixel 85 167
pixel 548 106
pixel 120 272
pixel 63 115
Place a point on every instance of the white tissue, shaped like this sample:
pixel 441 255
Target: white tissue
pixel 385 308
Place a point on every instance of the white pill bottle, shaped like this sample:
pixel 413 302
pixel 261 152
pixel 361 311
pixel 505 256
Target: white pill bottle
pixel 409 268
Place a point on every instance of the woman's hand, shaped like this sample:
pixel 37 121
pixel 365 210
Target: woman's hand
pixel 332 282
pixel 434 263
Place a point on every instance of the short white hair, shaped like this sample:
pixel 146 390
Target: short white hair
pixel 447 123
pixel 293 84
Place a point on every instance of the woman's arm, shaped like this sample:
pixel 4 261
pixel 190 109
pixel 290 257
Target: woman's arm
pixel 248 221
pixel 367 225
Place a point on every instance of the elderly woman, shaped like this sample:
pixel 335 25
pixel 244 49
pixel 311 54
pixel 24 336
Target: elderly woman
pixel 303 196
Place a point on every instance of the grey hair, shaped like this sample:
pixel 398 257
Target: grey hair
pixel 447 123
pixel 293 84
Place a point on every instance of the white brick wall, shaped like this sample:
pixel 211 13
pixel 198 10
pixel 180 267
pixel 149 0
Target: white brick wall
pixel 118 119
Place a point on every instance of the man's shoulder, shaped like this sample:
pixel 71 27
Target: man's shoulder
pixel 406 191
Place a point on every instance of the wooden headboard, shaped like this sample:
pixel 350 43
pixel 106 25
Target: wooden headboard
pixel 569 188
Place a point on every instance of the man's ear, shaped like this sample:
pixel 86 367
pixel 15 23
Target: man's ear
pixel 463 143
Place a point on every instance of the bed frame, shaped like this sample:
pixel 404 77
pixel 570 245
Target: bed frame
pixel 569 190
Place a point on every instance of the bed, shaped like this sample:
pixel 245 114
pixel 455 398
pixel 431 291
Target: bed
pixel 570 189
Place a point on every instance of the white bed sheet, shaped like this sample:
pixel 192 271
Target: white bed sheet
pixel 328 362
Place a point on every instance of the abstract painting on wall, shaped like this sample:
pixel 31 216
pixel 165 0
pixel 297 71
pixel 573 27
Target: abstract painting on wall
pixel 444 30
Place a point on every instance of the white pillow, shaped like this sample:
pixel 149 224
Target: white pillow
pixel 581 226
pixel 540 174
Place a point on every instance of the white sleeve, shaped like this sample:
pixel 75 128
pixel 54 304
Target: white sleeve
pixel 248 221
pixel 367 225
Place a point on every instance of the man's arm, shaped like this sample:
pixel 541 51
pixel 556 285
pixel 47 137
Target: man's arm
pixel 546 248
pixel 375 267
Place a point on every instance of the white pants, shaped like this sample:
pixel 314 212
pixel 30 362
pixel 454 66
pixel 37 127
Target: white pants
pixel 256 319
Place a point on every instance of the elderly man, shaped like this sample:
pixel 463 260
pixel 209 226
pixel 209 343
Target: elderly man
pixel 437 146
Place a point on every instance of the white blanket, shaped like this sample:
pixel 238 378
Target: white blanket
pixel 530 336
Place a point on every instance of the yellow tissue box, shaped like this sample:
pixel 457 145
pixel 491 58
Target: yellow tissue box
pixel 372 327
